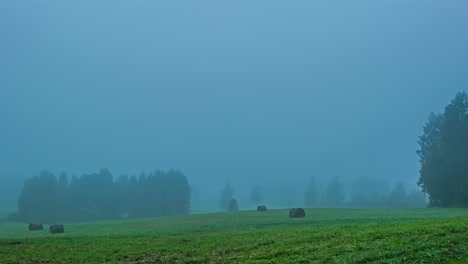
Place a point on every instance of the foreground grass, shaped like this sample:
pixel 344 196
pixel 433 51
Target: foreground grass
pixel 324 236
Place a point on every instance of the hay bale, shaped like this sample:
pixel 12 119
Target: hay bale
pixel 35 226
pixel 296 213
pixel 261 208
pixel 57 228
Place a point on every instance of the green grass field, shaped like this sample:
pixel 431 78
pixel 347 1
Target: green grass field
pixel 324 236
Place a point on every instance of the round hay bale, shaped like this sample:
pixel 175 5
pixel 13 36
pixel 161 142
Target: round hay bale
pixel 35 226
pixel 261 208
pixel 296 213
pixel 57 228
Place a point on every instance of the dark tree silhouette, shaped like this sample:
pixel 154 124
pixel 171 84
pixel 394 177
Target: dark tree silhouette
pixel 39 200
pixel 97 196
pixel 226 196
pixel 232 206
pixel 443 155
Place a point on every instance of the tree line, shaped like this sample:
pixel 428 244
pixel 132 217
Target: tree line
pixel 363 194
pixel 48 199
pixel 443 174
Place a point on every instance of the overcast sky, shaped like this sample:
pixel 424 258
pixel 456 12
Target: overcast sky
pixel 225 90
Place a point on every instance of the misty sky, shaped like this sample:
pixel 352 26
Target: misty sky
pixel 240 91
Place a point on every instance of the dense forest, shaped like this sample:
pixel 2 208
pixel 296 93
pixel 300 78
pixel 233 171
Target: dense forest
pixel 46 198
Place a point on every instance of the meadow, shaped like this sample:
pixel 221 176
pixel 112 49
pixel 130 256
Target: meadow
pixel 323 236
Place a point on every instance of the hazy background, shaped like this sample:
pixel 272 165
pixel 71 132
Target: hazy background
pixel 248 92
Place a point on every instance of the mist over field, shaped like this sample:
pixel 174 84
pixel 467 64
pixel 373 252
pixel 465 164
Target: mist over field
pixel 242 92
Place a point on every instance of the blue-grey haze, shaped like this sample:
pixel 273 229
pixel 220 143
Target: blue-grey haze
pixel 242 91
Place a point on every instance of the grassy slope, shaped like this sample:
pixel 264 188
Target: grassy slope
pixel 324 236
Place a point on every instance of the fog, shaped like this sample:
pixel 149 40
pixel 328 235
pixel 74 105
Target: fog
pixel 245 92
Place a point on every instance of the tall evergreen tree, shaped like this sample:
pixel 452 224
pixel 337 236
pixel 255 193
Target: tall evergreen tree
pixel 226 196
pixel 62 187
pixel 232 206
pixel 335 195
pixel 443 155
pixel 311 194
